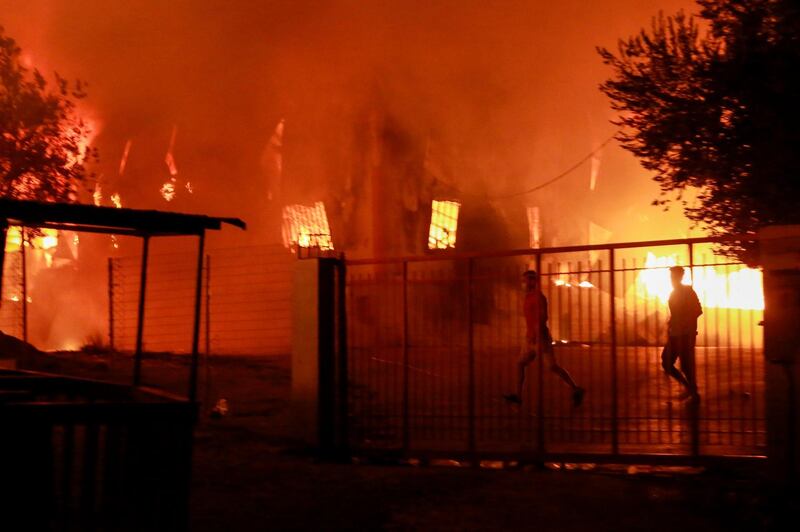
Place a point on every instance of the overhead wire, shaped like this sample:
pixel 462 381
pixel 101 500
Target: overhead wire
pixel 561 175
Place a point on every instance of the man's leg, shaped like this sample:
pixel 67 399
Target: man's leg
pixel 528 356
pixel 686 355
pixel 669 355
pixel 577 391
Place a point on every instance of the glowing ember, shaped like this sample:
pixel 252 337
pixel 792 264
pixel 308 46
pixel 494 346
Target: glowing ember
pixel 123 162
pixel 168 190
pixel 116 199
pixel 97 195
pixel 444 224
pixel 739 289
pixel 306 227
pixel 170 158
pixel 189 187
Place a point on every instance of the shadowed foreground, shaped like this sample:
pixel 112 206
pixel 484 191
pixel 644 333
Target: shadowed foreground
pixel 250 475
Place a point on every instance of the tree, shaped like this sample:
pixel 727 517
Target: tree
pixel 43 141
pixel 711 103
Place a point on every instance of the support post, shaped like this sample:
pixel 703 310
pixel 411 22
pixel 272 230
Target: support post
pixel 779 249
pixel 613 334
pixel 23 242
pixel 406 417
pixel 315 370
pixel 137 360
pixel 342 381
pixel 111 304
pixel 208 305
pixel 198 301
pixel 471 444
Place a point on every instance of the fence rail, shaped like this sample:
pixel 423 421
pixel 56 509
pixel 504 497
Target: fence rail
pixel 434 345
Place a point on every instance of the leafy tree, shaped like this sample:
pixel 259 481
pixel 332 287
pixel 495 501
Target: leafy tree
pixel 711 103
pixel 43 141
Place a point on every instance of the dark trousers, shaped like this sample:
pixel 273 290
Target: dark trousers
pixel 680 347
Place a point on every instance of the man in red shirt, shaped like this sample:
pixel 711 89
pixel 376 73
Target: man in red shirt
pixel 538 336
pixel 684 309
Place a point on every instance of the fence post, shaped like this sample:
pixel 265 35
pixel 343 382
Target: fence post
pixel 111 304
pixel 406 428
pixel 613 333
pixel 471 363
pixel 540 432
pixel 694 406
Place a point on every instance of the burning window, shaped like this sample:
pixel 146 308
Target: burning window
pixel 444 224
pixel 306 227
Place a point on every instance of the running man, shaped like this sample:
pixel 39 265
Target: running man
pixel 535 309
pixel 684 309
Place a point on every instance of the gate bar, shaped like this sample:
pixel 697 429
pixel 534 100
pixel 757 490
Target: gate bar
pixel 614 391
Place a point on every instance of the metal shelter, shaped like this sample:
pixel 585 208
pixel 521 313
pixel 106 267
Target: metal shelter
pixel 124 222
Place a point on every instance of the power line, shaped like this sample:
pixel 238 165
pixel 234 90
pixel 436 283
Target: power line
pixel 563 174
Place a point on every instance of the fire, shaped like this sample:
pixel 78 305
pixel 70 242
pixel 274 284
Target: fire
pixel 444 224
pixel 46 240
pixel 97 195
pixel 169 159
pixel 116 199
pixel 306 227
pixel 168 190
pixel 738 289
pixel 123 162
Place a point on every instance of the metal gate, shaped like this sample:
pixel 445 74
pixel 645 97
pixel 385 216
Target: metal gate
pixel 433 345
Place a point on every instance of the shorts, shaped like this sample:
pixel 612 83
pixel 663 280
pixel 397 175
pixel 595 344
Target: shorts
pixel 545 344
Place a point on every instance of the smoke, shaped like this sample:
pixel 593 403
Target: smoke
pixel 479 98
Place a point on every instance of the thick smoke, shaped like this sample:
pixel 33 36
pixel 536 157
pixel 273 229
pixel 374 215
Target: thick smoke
pixel 486 98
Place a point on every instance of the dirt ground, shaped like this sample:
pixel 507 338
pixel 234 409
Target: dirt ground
pixel 249 474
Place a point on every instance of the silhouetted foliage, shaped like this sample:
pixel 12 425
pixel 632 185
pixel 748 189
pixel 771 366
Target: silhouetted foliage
pixel 711 103
pixel 43 142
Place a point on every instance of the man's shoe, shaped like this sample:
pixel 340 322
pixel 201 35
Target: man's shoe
pixel 577 396
pixel 513 398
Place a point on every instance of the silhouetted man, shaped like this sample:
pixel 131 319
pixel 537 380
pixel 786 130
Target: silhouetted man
pixel 537 333
pixel 684 309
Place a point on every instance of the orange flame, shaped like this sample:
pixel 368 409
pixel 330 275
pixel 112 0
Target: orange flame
pixel 738 289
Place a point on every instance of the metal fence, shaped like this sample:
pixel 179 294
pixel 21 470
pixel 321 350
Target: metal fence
pixel 245 301
pixel 433 345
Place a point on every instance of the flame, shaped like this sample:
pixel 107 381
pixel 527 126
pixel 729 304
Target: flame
pixel 97 195
pixel 189 187
pixel 168 190
pixel 306 227
pixel 116 199
pixel 48 239
pixel 738 289
pixel 444 224
pixel 123 162
pixel 170 158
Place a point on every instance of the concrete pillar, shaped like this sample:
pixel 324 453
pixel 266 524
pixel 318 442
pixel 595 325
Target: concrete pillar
pixel 780 258
pixel 317 394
